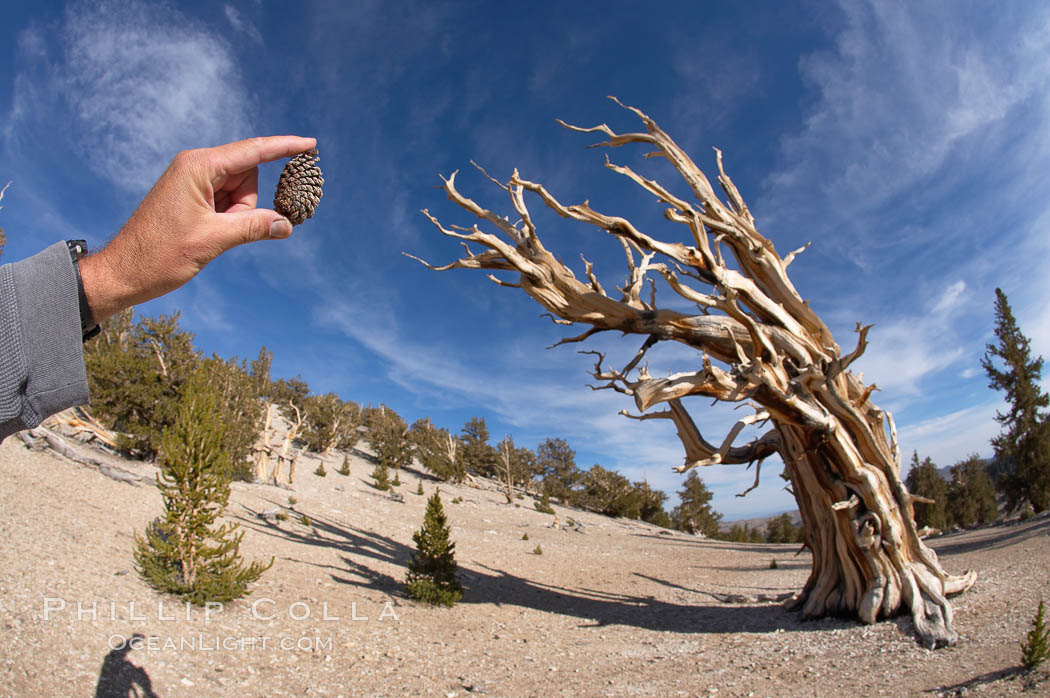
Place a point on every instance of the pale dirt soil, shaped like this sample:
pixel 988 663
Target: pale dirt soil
pixel 617 608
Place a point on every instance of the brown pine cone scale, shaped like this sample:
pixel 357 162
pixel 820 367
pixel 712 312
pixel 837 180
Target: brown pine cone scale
pixel 300 188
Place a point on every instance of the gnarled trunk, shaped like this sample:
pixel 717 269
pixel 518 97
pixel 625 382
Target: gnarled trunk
pixel 839 449
pixel 868 559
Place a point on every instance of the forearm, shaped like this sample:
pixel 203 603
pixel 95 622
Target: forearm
pixel 107 292
pixel 41 342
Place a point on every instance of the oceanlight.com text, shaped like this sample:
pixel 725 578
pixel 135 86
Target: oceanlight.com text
pixel 200 642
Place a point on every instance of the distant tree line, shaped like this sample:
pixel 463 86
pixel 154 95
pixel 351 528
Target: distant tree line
pixel 551 471
pixel 967 500
pixel 139 370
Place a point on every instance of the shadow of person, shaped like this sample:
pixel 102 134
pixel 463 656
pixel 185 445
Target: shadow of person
pixel 120 678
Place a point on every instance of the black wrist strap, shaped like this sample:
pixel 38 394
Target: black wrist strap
pixel 88 326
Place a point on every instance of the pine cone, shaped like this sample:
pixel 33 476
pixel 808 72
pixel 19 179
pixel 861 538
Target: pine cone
pixel 299 188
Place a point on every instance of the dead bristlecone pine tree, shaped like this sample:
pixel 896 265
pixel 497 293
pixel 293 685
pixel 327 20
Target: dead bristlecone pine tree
pixel 758 342
pixel 299 189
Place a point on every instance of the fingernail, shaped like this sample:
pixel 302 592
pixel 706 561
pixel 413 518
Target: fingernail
pixel 280 228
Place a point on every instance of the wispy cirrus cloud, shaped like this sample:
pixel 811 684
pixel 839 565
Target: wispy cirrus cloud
pixel 128 84
pixel 916 174
pixel 241 23
pixel 903 89
pixel 954 436
pixel 907 348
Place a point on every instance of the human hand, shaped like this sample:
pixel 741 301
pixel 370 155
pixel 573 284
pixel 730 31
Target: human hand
pixel 203 205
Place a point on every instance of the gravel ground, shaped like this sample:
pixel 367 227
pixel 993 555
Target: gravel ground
pixel 610 607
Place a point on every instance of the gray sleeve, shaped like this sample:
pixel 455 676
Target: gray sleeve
pixel 41 344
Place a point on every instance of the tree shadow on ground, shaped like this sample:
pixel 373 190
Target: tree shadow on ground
pixel 990 538
pixel 983 680
pixel 488 585
pixel 782 564
pixel 718 596
pixel 324 532
pixel 714 544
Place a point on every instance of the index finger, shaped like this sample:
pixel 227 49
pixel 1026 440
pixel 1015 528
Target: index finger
pixel 244 155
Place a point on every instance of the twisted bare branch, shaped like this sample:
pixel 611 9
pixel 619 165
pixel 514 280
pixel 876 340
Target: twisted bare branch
pixel 840 451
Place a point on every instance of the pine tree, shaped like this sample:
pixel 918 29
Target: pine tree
pixel 544 505
pixel 240 410
pixel 924 481
pixel 135 375
pixel 183 553
pixel 1036 648
pixel 557 463
pixel 971 495
pixel 517 467
pixel 293 390
pixel 437 450
pixel 608 492
pixel 330 422
pixel 345 470
pixel 476 453
pixel 695 514
pixel 432 568
pixel 388 437
pixel 651 505
pixel 259 370
pixel 381 477
pixel 320 471
pixel 783 530
pixel 1022 449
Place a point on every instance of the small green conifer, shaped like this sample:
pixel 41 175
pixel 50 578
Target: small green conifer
pixel 345 470
pixel 1036 648
pixel 381 477
pixel 544 505
pixel 432 568
pixel 321 472
pixel 537 550
pixel 182 553
pixel 419 489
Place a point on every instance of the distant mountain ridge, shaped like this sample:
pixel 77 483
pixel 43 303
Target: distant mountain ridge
pixel 760 522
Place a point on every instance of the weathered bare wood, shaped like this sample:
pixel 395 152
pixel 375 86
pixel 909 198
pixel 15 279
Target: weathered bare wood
pixel 262 451
pixel 81 421
pixel 840 451
pixel 506 478
pixel 283 455
pixel 60 446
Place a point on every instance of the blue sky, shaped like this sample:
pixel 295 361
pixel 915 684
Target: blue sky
pixel 908 141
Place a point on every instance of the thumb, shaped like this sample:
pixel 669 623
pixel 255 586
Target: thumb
pixel 240 227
